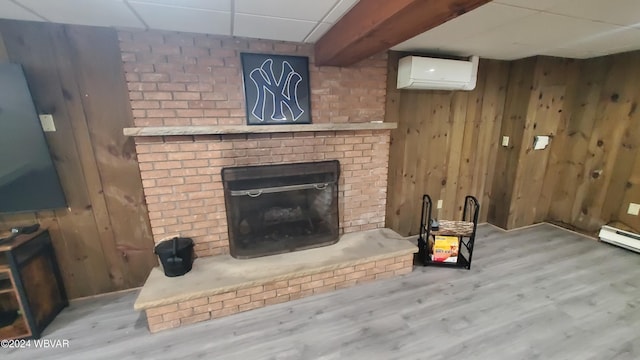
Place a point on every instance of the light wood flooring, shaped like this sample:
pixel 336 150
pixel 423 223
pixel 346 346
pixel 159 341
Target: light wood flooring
pixel 535 293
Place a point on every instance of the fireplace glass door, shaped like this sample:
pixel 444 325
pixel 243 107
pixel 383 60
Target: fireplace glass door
pixel 273 209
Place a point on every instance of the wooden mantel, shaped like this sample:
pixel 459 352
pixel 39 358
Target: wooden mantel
pixel 257 129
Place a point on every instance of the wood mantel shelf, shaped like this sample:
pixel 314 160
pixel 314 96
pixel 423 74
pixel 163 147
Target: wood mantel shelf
pixel 257 129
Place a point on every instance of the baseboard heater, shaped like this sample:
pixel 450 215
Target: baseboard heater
pixel 625 239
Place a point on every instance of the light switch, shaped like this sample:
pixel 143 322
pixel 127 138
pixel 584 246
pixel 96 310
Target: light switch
pixel 46 120
pixel 505 141
pixel 634 209
pixel 439 206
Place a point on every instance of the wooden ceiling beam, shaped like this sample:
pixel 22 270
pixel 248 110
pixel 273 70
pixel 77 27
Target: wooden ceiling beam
pixel 372 26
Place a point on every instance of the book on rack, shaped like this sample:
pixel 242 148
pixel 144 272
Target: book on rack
pixel 445 249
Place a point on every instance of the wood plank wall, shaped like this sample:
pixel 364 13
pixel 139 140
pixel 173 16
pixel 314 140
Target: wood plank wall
pixel 536 103
pixel 589 174
pixel 103 240
pixel 515 113
pixel 448 144
pixel 445 145
pixel 597 150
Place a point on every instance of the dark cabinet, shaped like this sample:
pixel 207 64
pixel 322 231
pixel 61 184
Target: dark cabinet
pixel 31 288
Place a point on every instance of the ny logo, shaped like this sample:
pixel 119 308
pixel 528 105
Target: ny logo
pixel 283 91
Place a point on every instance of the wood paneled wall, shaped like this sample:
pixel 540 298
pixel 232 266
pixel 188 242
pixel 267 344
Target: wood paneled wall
pixel 103 240
pixel 589 173
pixel 448 144
pixel 534 106
pixel 445 145
pixel 594 170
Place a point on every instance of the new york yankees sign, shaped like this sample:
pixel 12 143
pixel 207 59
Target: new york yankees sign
pixel 276 89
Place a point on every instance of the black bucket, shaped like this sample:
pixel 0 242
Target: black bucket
pixel 176 256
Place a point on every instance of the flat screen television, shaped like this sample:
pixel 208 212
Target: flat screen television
pixel 28 179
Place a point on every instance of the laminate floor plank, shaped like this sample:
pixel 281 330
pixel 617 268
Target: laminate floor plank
pixel 535 293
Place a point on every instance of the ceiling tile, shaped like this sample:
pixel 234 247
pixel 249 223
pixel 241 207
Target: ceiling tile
pixel 483 47
pixel 620 12
pixel 219 5
pixel 430 39
pixel 544 30
pixel 83 12
pixel 183 19
pixel 584 54
pixel 508 53
pixel 9 10
pixel 482 19
pixel 622 39
pixel 486 48
pixel 531 4
pixel 318 32
pixel 339 10
pixel 290 9
pixel 264 27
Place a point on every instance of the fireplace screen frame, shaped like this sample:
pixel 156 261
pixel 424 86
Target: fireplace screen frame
pixel 246 184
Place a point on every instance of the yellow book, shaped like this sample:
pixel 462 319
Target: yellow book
pixel 445 249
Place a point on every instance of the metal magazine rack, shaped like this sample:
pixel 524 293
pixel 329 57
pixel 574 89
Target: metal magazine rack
pixel 463 233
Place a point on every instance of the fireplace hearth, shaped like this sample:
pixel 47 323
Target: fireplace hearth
pixel 273 209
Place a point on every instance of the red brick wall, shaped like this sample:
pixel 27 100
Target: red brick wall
pixel 188 79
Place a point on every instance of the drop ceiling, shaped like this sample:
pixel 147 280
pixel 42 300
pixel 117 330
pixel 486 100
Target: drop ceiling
pixel 288 20
pixel 502 29
pixel 514 29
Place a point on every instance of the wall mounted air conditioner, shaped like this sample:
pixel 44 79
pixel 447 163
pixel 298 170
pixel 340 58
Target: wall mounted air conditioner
pixel 625 239
pixel 426 73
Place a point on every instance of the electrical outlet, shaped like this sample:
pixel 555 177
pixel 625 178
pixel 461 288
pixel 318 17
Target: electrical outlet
pixel 634 209
pixel 46 120
pixel 439 206
pixel 505 141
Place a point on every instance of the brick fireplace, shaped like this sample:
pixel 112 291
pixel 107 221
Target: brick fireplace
pixel 192 80
pixel 178 79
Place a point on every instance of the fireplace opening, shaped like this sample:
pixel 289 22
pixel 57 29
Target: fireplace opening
pixel 273 209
